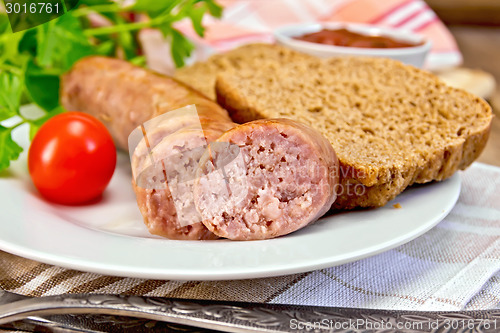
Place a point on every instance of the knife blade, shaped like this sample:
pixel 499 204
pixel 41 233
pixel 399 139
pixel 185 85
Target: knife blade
pixel 97 324
pixel 251 317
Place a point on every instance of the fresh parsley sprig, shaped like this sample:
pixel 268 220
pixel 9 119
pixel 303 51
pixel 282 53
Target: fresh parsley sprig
pixel 32 61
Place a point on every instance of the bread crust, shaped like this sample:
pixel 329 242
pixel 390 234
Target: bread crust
pixel 202 75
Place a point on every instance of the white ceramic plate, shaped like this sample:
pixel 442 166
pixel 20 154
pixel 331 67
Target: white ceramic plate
pixel 108 237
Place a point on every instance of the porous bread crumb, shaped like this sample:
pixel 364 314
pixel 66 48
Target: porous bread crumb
pixel 397 205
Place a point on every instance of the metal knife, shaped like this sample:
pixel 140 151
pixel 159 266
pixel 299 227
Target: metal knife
pixel 238 316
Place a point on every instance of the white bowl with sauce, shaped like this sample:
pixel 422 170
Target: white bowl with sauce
pixel 413 54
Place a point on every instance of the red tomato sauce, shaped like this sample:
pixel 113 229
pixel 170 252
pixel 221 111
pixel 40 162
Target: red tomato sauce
pixel 344 37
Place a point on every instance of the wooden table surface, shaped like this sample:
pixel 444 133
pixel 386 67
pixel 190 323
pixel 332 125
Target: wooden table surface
pixel 480 47
pixel 479 12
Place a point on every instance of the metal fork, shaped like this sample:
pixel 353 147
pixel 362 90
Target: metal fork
pixel 247 317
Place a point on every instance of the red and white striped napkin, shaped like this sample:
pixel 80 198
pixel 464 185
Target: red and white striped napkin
pixel 250 21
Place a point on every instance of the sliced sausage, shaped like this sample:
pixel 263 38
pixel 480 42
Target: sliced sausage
pixel 166 172
pixel 284 178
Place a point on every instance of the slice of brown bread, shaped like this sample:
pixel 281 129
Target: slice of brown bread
pixel 391 125
pixel 202 75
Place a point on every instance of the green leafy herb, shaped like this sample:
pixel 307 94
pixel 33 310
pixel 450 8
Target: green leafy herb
pixel 61 42
pixel 42 86
pixel 183 49
pixel 9 149
pixel 154 8
pixel 32 60
pixel 162 15
pixel 10 94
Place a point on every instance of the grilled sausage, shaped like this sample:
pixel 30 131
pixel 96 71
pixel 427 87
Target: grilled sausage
pixel 124 96
pixel 281 176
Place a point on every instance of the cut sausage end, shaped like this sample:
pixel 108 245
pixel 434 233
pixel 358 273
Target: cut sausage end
pixel 165 173
pixel 282 180
pixel 160 216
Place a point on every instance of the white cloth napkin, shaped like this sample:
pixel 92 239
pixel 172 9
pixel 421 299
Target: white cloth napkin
pixel 452 267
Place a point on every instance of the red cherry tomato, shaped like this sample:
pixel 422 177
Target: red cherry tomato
pixel 72 158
